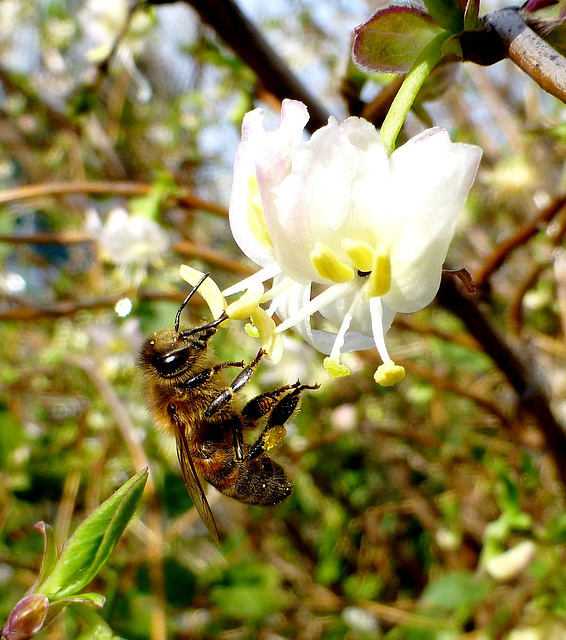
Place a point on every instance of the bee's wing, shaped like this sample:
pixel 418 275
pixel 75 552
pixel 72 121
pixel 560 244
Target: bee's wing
pixel 193 484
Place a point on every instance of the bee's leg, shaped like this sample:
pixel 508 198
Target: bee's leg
pixel 254 410
pixel 282 410
pixel 239 381
pixel 206 374
pixel 261 405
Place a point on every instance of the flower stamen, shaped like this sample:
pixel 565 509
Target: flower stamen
pixel 360 253
pixel 270 341
pixel 208 289
pixel 379 280
pixel 328 296
pixel 247 303
pixel 388 373
pixel 328 265
pixel 332 364
pixel 255 215
pixel 262 275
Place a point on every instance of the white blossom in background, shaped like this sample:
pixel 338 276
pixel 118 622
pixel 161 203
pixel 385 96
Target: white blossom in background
pixel 132 242
pixel 102 21
pixel 511 563
pixel 344 230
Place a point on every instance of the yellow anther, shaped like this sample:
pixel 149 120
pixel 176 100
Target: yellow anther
pixel 271 342
pixel 335 368
pixel 251 330
pixel 379 280
pixel 247 303
pixel 255 215
pixel 360 253
pixel 389 374
pixel 274 437
pixel 328 266
pixel 208 289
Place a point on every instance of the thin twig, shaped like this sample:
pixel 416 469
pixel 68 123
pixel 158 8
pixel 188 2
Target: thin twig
pixel 71 307
pixel 213 257
pixel 519 238
pixel 126 189
pixel 463 390
pixel 521 374
pixel 69 236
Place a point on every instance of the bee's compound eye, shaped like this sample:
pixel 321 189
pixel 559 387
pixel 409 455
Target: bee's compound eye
pixel 171 364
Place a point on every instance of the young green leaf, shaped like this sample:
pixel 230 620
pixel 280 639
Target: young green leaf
pixel 392 39
pixel 448 14
pixel 89 547
pixel 49 553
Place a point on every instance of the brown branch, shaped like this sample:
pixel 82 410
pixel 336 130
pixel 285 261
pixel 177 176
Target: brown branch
pixel 68 308
pixel 126 189
pixel 70 236
pixel 520 237
pixel 515 310
pixel 58 120
pixel 213 257
pixel 243 37
pixel 521 374
pixel 529 51
pixel 408 322
pixel 464 391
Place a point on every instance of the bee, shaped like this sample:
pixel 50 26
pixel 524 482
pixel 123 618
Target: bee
pixel 188 398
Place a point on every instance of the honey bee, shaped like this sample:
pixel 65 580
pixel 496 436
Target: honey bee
pixel 188 398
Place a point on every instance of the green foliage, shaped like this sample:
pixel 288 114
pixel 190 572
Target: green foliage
pixel 89 547
pixel 448 14
pixel 402 497
pixel 249 592
pixel 391 40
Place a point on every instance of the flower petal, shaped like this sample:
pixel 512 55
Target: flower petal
pixel 244 176
pixel 339 181
pixel 274 149
pixel 431 178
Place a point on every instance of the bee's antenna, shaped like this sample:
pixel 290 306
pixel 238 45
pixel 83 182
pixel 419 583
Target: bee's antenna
pixel 186 300
pixel 204 327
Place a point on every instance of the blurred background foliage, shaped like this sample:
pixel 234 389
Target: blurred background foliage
pixel 433 510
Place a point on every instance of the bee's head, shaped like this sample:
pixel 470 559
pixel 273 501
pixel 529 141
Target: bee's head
pixel 173 353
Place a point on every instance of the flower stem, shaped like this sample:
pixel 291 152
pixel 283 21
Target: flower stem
pixel 424 64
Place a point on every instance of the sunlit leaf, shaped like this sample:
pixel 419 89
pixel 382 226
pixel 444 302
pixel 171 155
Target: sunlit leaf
pixel 446 13
pixel 391 40
pixel 89 547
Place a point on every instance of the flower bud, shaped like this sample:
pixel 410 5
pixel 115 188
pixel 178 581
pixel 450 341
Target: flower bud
pixel 27 618
pixel 511 563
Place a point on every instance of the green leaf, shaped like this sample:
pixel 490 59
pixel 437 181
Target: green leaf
pixel 446 13
pixel 89 547
pixel 392 39
pixel 49 559
pixel 254 592
pixel 149 206
pixel 471 16
pixel 456 590
pixel 96 627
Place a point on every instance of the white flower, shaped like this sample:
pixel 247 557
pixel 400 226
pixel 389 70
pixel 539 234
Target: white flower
pixel 127 239
pixel 511 563
pixel 370 232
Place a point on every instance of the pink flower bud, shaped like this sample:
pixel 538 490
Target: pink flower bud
pixel 26 618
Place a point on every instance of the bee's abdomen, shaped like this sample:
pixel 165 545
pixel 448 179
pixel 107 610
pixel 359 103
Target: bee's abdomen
pixel 260 481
